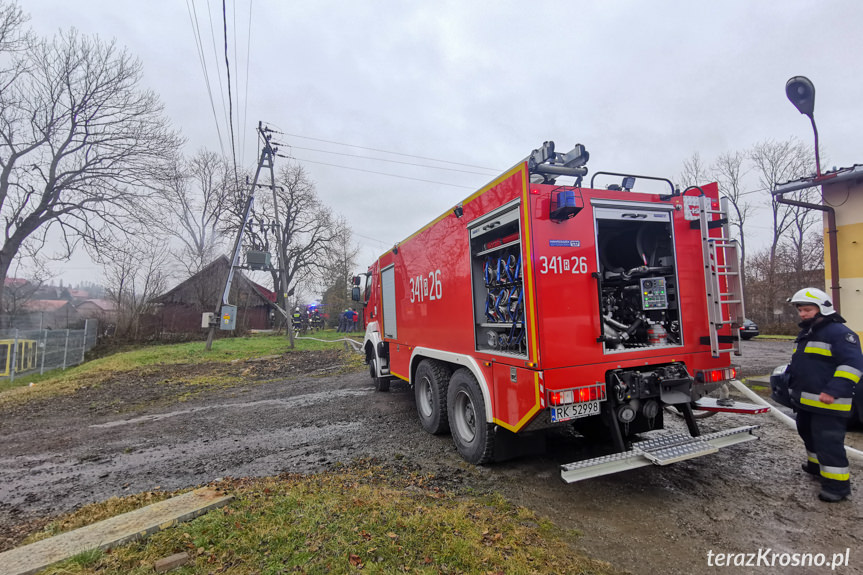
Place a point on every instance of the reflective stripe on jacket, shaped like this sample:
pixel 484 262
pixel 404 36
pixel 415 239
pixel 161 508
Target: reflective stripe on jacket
pixel 827 360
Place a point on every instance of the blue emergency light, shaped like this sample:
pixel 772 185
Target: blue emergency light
pixel 565 204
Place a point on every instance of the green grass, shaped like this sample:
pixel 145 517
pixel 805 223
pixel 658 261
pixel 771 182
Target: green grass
pixel 363 517
pixel 224 350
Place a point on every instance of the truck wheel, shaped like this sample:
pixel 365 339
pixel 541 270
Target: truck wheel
pixel 381 383
pixel 430 385
pixel 472 435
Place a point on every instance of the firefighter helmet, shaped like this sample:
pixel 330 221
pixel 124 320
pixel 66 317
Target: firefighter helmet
pixel 813 296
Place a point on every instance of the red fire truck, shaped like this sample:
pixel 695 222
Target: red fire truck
pixel 534 304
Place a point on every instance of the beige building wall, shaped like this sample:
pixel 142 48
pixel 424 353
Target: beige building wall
pixel 846 198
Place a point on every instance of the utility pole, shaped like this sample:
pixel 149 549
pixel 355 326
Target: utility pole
pixel 282 254
pixel 267 154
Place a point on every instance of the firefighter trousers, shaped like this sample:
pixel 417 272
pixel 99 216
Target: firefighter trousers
pixel 824 437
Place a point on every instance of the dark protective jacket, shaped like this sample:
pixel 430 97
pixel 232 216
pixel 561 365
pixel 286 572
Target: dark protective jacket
pixel 827 359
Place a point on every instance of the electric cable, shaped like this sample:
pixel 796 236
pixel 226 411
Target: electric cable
pixel 374 172
pixel 385 160
pixel 196 32
pixel 246 96
pixel 496 171
pixel 216 59
pixel 230 100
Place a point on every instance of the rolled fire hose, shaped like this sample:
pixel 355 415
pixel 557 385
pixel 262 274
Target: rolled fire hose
pixel 789 421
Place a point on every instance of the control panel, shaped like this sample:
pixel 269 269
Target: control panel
pixel 653 294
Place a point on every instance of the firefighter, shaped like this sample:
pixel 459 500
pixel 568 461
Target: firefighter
pixel 826 366
pixel 297 318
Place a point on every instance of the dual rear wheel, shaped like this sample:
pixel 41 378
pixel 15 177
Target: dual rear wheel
pixel 454 402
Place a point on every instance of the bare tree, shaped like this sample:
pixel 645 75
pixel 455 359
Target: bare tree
pixel 13 36
pixel 79 140
pixel 694 171
pixel 776 162
pixel 189 208
pixel 729 170
pixel 310 231
pixel 134 275
pixel 338 274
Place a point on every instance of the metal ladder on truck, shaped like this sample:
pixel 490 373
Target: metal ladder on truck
pixel 721 272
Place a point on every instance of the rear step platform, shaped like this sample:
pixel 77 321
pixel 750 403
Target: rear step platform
pixel 728 406
pixel 658 450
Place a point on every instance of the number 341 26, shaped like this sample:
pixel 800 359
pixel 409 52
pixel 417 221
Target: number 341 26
pixel 562 265
pixel 426 287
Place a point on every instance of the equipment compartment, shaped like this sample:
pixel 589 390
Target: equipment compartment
pixel 498 291
pixel 638 296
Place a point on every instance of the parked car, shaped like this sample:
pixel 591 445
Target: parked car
pixel 749 329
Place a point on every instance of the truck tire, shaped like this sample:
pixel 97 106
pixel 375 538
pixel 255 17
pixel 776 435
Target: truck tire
pixel 430 386
pixel 472 435
pixel 381 383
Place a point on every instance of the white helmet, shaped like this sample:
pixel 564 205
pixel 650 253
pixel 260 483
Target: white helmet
pixel 813 296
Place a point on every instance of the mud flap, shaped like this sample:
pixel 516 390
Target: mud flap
pixel 662 449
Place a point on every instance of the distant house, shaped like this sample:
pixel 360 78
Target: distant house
pixel 180 309
pixel 80 295
pixel 51 314
pixel 103 310
pixel 15 283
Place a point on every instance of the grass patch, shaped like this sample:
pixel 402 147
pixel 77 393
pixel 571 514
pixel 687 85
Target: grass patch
pixel 150 359
pixel 86 559
pixel 363 517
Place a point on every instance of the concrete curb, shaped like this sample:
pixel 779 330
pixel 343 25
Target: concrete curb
pixel 112 532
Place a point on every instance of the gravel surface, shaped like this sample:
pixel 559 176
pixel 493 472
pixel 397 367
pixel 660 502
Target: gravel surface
pixel 124 437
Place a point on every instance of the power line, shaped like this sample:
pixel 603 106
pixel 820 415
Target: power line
pixel 246 97
pixel 384 244
pixel 373 172
pixel 385 160
pixel 230 101
pixel 196 32
pixel 216 57
pixel 388 152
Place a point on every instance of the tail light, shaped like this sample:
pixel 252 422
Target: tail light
pixel 577 395
pixel 715 375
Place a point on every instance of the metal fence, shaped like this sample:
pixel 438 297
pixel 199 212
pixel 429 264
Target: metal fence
pixel 37 351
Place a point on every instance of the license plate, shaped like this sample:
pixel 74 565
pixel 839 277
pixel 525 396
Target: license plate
pixel 574 411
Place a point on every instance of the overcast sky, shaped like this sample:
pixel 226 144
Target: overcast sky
pixel 643 85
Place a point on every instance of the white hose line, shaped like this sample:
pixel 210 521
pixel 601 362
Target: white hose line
pixel 350 341
pixel 789 421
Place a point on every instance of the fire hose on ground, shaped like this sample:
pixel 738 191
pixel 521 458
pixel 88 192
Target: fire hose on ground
pixel 354 344
pixel 852 453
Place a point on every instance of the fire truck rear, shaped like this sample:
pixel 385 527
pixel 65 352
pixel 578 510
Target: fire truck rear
pixel 533 304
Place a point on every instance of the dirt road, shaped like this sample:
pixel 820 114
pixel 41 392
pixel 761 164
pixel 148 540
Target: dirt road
pixel 132 436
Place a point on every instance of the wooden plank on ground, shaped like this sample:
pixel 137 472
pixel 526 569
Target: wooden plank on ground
pixel 111 532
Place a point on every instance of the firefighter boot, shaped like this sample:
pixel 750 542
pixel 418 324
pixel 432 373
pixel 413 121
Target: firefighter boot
pixel 812 470
pixel 830 497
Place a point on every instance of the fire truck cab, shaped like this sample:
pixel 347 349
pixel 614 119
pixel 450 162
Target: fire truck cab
pixel 534 304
